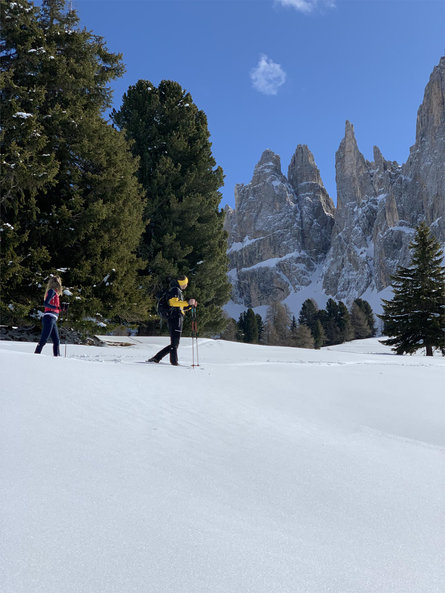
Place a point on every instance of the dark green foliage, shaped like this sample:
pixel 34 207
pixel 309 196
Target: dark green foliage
pixel 318 335
pixel 248 327
pixel 329 320
pixel 344 323
pixel 70 198
pixel 415 317
pixel 336 323
pixel 260 325
pixel 179 174
pixel 310 316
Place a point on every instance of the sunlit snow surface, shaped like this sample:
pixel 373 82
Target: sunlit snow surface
pixel 265 470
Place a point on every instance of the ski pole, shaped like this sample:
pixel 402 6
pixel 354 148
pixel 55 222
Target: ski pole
pixel 65 311
pixel 195 337
pixel 193 342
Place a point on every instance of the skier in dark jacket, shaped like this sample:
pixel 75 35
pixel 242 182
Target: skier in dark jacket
pixel 178 306
pixel 51 315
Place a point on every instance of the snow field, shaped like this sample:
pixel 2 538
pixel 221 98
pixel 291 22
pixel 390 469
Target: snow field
pixel 265 470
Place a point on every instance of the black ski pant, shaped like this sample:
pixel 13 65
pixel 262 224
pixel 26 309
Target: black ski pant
pixel 49 329
pixel 175 329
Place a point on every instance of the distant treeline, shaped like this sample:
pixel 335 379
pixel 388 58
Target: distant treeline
pixel 314 328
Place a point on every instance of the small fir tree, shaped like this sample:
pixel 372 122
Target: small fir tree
pixel 248 327
pixel 344 323
pixel 415 317
pixel 330 323
pixel 260 325
pixel 318 335
pixel 310 316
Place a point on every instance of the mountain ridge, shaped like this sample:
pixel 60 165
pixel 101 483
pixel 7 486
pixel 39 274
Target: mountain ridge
pixel 285 235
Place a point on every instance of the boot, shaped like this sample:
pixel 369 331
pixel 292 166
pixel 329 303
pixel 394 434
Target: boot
pixel 56 350
pixel 38 349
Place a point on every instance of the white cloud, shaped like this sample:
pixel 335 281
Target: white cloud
pixel 267 76
pixel 307 6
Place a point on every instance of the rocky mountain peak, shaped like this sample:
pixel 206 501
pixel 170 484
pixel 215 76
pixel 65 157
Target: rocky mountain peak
pixel 352 175
pixel 431 114
pixel 268 163
pixel 302 168
pixel 287 241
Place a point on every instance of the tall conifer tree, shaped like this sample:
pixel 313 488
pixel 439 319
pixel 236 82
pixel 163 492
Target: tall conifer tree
pixel 185 226
pixel 70 197
pixel 415 317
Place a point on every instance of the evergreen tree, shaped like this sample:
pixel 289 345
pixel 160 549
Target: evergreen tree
pixel 260 325
pixel 248 326
pixel 367 310
pixel 70 198
pixel 318 335
pixel 185 226
pixel 310 316
pixel 344 323
pixel 330 323
pixel 415 317
pixel 336 323
pixel 308 313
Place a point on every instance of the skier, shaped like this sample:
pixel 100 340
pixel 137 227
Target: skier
pixel 175 319
pixel 50 316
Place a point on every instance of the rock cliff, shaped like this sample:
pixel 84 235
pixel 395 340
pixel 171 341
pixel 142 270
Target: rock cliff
pixel 285 235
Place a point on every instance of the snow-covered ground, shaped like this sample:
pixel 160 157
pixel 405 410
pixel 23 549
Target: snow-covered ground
pixel 266 470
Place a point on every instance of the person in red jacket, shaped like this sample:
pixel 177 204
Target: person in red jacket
pixel 178 305
pixel 51 315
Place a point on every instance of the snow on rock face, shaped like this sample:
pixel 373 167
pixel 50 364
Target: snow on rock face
pixel 284 222
pixel 290 226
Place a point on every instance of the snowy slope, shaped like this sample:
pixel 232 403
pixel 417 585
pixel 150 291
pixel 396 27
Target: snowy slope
pixel 266 470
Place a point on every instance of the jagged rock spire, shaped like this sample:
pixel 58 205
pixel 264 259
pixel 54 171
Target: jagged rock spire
pixel 285 230
pixel 352 176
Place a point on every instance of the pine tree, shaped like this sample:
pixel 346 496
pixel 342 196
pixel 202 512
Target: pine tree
pixel 310 316
pixel 248 327
pixel 318 335
pixel 329 320
pixel 185 226
pixel 344 323
pixel 260 325
pixel 70 198
pixel 415 317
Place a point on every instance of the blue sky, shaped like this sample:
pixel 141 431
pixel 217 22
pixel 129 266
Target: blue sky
pixel 278 73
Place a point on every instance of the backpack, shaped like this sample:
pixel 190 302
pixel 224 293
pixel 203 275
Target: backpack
pixel 162 306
